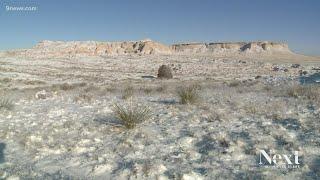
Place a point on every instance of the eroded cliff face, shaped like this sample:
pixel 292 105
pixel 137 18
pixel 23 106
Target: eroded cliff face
pixel 72 49
pixel 61 49
pixel 238 47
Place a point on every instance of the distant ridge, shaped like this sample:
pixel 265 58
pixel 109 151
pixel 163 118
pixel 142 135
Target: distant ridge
pixel 72 49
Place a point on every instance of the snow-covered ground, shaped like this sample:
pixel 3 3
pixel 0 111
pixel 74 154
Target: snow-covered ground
pixel 69 131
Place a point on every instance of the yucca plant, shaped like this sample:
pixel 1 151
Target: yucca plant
pixel 130 115
pixel 189 94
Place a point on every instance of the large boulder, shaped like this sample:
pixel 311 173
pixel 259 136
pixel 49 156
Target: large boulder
pixel 165 72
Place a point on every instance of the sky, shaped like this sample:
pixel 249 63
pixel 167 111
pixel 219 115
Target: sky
pixel 295 22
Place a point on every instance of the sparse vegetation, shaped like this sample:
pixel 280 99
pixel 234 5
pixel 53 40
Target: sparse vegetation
pixel 251 109
pixel 125 125
pixel 86 97
pixel 91 88
pixel 66 87
pixel 162 88
pixel 295 91
pixel 214 117
pixel 111 89
pixel 146 90
pixel 5 80
pixel 34 82
pixel 234 83
pixel 127 92
pixel 131 115
pixel 188 94
pixel 310 92
pixel 6 103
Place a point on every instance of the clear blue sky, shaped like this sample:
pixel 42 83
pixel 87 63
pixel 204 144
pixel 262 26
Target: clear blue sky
pixel 168 21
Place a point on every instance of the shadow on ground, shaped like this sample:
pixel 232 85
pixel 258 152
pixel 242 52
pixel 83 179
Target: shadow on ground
pixel 108 120
pixel 2 147
pixel 166 101
pixel 148 77
pixel 312 79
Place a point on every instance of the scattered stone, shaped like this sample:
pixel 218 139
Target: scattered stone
pixel 295 65
pixel 41 94
pixel 276 68
pixel 257 77
pixel 301 73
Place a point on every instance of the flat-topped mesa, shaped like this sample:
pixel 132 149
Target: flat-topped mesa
pixel 231 47
pixel 72 49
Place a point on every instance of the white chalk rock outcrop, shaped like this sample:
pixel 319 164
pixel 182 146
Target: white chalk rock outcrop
pixel 237 47
pixel 74 49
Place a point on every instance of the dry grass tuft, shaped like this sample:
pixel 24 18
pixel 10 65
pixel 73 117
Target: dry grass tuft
pixel 162 88
pixel 146 90
pixel 86 97
pixel 66 87
pixel 5 80
pixel 127 92
pixel 234 83
pixel 6 103
pixel 189 94
pixel 131 115
pixel 310 92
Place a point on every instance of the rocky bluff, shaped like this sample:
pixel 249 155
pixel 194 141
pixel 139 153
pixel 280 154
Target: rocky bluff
pixel 71 49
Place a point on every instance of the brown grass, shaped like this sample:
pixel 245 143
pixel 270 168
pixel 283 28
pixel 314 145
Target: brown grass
pixel 6 103
pixel 189 94
pixel 127 92
pixel 310 92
